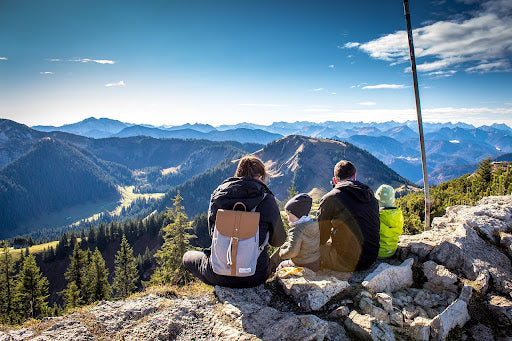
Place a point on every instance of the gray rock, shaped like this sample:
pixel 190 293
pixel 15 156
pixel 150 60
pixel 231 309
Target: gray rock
pixel 420 329
pixel 336 332
pixel 424 299
pixel 66 330
pixel 366 327
pixel 501 309
pixel 460 249
pixel 367 307
pixel 258 295
pixel 396 318
pixel 389 278
pixel 297 327
pixel 506 243
pixel 481 332
pixel 410 312
pixel 455 315
pixel 385 301
pixel 339 312
pixel 439 277
pixel 309 291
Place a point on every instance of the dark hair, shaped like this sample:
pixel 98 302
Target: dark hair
pixel 250 166
pixel 344 170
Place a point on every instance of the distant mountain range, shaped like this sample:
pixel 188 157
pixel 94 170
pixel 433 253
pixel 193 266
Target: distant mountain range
pixel 449 145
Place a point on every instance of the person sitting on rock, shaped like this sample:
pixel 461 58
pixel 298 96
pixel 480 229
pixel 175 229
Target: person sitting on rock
pixel 247 187
pixel 391 221
pixel 302 247
pixel 348 218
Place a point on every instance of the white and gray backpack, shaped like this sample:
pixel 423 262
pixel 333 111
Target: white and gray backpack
pixel 235 242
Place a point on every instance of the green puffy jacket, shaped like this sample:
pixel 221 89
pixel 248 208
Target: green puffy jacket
pixel 391 227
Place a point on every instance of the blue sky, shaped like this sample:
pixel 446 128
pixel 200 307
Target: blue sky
pixel 223 62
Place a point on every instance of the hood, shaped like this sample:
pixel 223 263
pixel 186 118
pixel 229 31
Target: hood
pixel 247 190
pixel 356 189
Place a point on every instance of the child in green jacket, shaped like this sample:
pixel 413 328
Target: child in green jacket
pixel 391 221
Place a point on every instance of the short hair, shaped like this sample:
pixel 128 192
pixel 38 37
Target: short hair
pixel 250 166
pixel 344 170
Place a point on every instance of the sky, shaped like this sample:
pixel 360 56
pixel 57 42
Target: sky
pixel 169 62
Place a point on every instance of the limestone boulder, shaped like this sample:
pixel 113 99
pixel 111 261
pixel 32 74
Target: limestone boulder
pixel 309 290
pixel 366 327
pixel 389 278
pixel 439 278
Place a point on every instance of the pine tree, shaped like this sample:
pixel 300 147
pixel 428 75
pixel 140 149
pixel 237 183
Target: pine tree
pixel 176 243
pixel 31 290
pixel 485 170
pixel 74 272
pixel 126 274
pixel 72 296
pixel 74 292
pixel 99 287
pixel 7 285
pixel 87 291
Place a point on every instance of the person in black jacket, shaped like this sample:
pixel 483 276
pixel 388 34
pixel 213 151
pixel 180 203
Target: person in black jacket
pixel 247 186
pixel 348 218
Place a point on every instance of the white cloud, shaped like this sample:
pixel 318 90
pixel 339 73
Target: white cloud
pixel 454 141
pixel 318 89
pixel 478 44
pixel 333 93
pixel 120 83
pixel 384 86
pixel 87 60
pixel 442 74
pixel 261 105
pixel 331 66
pixel 46 73
pixel 54 60
pixel 367 103
pixel 3 58
pixel 358 85
pixel 351 45
pixel 502 65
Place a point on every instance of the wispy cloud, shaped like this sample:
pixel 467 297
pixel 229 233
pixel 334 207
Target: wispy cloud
pixel 358 85
pixel 478 44
pixel 3 58
pixel 331 66
pixel 46 73
pixel 384 86
pixel 441 74
pixel 87 60
pixel 261 105
pixel 318 89
pixel 317 110
pixel 54 59
pixel 367 103
pixel 120 83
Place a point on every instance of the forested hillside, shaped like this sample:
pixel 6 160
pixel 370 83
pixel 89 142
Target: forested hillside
pixel 491 178
pixel 51 176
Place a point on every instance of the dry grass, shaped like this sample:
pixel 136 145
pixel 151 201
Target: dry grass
pixel 193 289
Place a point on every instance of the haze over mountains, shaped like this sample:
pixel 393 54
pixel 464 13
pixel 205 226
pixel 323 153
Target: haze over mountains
pixel 452 149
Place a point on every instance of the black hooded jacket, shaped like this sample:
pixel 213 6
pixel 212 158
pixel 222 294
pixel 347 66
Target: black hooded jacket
pixel 251 192
pixel 349 214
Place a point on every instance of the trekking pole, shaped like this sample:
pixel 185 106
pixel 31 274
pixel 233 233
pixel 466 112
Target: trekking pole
pixel 418 114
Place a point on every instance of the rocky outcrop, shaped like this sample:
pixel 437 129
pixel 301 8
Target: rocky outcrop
pixel 451 282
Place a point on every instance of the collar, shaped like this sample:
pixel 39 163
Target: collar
pixel 303 219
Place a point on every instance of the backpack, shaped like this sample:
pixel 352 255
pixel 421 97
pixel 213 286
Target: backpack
pixel 235 242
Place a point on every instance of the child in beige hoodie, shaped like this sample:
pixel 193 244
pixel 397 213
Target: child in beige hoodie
pixel 303 245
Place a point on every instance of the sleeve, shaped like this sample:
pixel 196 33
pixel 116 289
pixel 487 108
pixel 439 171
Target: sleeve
pixel 291 248
pixel 324 215
pixel 212 213
pixel 272 216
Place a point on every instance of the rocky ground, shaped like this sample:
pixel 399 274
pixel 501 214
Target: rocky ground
pixel 452 282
